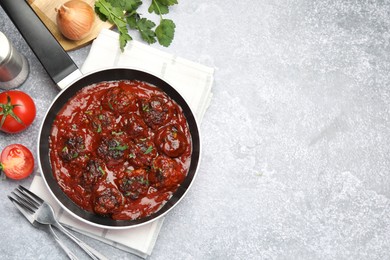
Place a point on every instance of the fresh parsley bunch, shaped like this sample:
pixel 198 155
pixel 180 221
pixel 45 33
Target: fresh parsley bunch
pixel 123 13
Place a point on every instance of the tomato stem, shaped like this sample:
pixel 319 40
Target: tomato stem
pixel 8 110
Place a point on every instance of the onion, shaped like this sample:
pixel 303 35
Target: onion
pixel 75 19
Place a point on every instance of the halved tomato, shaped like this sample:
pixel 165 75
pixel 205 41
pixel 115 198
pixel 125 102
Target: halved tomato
pixel 16 161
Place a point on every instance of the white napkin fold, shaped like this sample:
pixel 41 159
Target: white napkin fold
pixel 192 80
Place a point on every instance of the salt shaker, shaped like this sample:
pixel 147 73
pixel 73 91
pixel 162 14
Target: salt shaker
pixel 14 67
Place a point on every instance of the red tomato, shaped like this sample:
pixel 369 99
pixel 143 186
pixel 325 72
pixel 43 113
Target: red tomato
pixel 16 161
pixel 17 111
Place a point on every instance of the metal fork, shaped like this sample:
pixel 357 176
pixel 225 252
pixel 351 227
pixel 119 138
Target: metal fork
pixel 28 215
pixel 44 214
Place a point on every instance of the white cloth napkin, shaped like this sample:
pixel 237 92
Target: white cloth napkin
pixel 192 80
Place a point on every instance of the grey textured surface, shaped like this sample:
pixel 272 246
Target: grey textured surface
pixel 296 142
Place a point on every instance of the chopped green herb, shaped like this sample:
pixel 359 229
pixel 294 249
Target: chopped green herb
pixel 101 170
pixel 149 150
pixel 119 148
pixel 145 107
pixel 110 105
pixel 127 181
pixel 143 181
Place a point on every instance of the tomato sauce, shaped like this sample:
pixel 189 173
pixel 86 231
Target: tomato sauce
pixel 120 148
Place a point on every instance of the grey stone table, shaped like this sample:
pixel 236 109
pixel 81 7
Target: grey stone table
pixel 296 141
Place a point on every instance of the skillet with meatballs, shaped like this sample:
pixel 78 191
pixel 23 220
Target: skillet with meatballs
pixel 120 148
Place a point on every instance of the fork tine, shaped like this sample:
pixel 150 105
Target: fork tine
pixel 27 197
pixel 33 195
pixel 22 210
pixel 23 202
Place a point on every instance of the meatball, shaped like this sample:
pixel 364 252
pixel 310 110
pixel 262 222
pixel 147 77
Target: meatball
pixel 171 141
pixel 165 173
pixel 142 152
pixel 134 126
pixel 119 101
pixel 101 121
pixel 156 111
pixel 107 199
pixel 93 172
pixel 73 147
pixel 112 149
pixel 134 184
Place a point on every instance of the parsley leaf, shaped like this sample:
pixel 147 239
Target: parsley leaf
pixel 123 14
pixel 145 28
pixel 165 32
pixel 167 2
pixel 124 37
pixel 158 8
pixel 115 15
pixel 132 20
pixel 130 5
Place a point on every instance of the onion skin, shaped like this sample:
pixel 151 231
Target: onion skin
pixel 75 19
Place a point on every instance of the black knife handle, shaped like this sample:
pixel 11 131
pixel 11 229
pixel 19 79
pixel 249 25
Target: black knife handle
pixel 50 53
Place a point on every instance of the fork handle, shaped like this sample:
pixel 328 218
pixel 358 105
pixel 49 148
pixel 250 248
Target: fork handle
pixel 93 253
pixel 64 247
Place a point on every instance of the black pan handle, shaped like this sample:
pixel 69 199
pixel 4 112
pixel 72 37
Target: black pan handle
pixel 50 53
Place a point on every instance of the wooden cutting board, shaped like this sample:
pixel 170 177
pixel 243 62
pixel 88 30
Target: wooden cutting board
pixel 45 9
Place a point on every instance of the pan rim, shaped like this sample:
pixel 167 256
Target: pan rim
pixel 176 201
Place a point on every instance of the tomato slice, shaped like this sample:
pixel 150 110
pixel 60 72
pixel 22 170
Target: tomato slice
pixel 16 161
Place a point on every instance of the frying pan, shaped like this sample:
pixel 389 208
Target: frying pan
pixel 65 73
